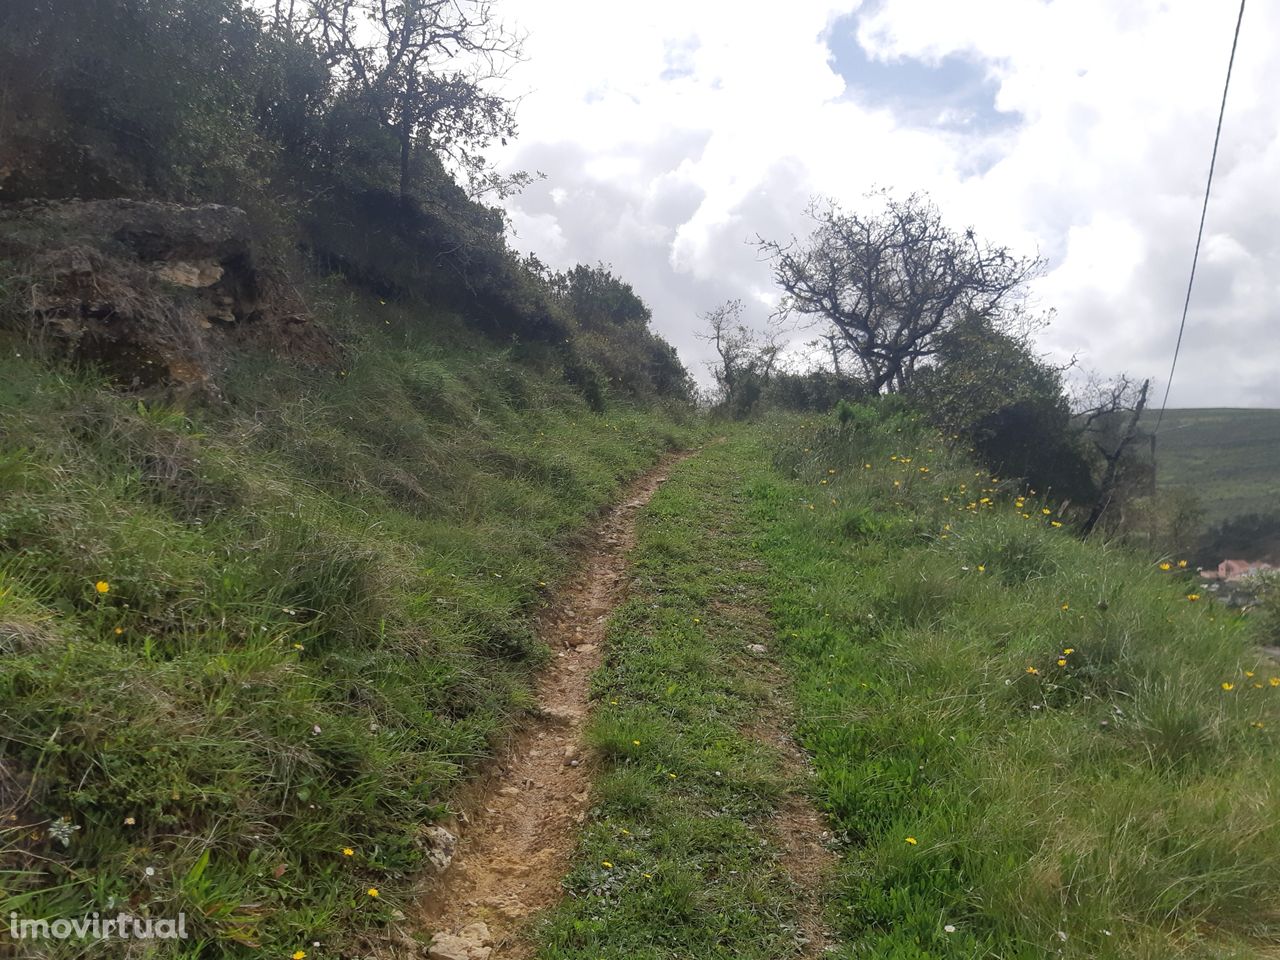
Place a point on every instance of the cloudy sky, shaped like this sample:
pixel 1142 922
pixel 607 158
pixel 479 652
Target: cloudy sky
pixel 672 133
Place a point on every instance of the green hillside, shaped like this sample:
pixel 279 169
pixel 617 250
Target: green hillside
pixel 1230 456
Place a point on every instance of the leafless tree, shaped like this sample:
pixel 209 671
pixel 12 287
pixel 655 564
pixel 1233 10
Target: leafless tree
pixel 1108 413
pixel 746 359
pixel 424 67
pixel 892 283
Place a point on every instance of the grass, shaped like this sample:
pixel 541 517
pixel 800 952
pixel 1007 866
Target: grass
pixel 1030 746
pixel 313 620
pixel 677 858
pixel 237 643
pixel 1230 458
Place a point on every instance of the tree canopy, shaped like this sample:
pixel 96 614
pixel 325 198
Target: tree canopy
pixel 893 283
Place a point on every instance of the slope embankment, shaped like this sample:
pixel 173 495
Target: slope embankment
pixel 250 651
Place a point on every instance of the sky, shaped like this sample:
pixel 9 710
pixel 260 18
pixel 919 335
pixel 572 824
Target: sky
pixel 673 133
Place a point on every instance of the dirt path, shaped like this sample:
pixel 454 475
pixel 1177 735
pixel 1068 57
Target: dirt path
pixel 519 824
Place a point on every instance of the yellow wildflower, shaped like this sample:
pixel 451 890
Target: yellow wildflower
pixel 912 840
pixel 1062 662
pixel 299 955
pixel 1046 511
pixel 1193 597
pixel 1274 681
pixel 102 586
pixel 1228 685
pixel 1182 564
pixel 1069 651
pixel 1066 606
pixel 606 864
pixel 1055 523
pixel 373 892
pixel 1033 671
pixel 348 852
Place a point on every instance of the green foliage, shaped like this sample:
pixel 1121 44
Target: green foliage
pixel 987 388
pixel 1042 743
pixel 614 337
pixel 315 619
pixel 815 391
pixel 107 98
pixel 219 101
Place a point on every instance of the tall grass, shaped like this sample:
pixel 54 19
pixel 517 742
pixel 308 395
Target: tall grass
pixel 1031 745
pixel 313 618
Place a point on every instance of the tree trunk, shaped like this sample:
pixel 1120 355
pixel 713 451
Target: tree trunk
pixel 405 134
pixel 1109 477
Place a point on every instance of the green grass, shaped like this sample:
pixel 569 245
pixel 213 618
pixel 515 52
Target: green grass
pixel 677 858
pixel 1229 457
pixel 1114 801
pixel 318 618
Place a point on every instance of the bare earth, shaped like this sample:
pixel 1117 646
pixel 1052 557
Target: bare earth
pixel 520 823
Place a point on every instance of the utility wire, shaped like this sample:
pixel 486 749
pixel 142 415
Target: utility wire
pixel 1203 212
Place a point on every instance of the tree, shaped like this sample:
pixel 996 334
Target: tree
pixel 988 388
pixel 892 284
pixel 1108 417
pixel 745 359
pixel 423 66
pixel 614 332
pixel 601 301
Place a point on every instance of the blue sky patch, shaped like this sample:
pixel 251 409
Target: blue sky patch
pixel 955 94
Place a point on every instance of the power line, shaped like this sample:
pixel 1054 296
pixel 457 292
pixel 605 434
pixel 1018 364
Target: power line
pixel 1203 212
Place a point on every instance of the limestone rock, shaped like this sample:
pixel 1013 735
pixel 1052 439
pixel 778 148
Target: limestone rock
pixel 472 942
pixel 441 846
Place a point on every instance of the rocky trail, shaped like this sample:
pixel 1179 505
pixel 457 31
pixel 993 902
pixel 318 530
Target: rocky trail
pixel 517 826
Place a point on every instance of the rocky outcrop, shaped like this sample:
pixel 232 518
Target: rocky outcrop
pixel 154 294
pixel 472 942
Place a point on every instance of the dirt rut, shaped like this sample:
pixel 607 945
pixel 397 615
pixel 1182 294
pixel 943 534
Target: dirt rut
pixel 518 825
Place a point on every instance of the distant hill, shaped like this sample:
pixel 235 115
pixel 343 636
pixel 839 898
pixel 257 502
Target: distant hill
pixel 1230 456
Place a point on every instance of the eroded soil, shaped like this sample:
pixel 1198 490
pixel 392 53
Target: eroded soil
pixel 518 827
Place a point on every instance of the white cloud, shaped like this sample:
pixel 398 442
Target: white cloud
pixel 673 132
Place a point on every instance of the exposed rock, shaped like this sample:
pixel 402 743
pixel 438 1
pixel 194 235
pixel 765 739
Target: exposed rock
pixel 441 846
pixel 154 293
pixel 472 942
pixel 759 649
pixel 188 273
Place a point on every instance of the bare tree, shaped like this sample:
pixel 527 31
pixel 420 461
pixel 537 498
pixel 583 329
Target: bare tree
pixel 746 359
pixel 1109 412
pixel 891 284
pixel 424 67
